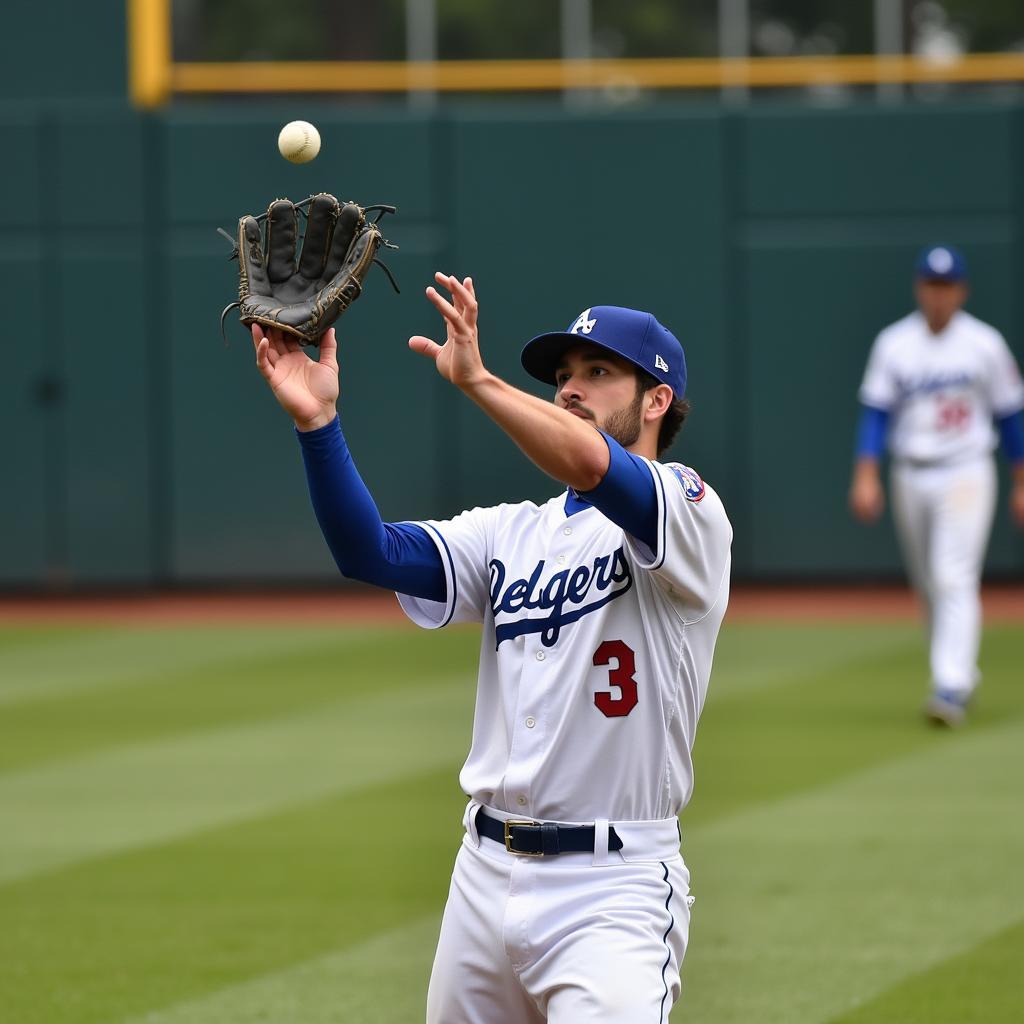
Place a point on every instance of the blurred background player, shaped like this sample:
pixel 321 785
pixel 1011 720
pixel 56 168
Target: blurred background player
pixel 934 383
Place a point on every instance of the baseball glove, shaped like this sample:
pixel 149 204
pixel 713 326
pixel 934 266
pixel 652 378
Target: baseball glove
pixel 304 292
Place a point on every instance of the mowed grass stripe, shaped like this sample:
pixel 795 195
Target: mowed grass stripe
pixel 42 663
pixel 821 726
pixel 173 681
pixel 804 907
pixel 127 935
pixel 31 634
pixel 379 981
pixel 123 688
pixel 822 900
pixel 754 656
pixel 153 792
pixel 847 720
pixel 981 986
pixel 804 853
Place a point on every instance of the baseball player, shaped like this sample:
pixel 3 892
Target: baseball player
pixel 600 608
pixel 935 381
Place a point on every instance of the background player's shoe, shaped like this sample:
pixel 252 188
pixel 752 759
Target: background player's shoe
pixel 947 708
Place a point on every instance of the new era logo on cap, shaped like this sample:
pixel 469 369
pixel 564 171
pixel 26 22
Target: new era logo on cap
pixel 630 333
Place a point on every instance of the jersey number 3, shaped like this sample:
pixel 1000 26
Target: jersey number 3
pixel 620 676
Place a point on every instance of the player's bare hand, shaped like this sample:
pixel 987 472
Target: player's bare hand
pixel 867 498
pixel 1017 503
pixel 306 388
pixel 458 359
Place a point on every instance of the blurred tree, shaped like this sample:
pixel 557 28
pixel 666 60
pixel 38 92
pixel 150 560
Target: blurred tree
pixel 655 28
pixel 784 27
pixel 216 30
pixel 837 26
pixel 989 25
pixel 470 29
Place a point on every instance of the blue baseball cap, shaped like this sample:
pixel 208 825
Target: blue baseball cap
pixel 630 333
pixel 941 263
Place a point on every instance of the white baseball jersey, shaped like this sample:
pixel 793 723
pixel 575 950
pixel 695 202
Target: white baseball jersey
pixel 596 651
pixel 942 390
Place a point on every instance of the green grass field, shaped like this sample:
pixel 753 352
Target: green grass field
pixel 197 826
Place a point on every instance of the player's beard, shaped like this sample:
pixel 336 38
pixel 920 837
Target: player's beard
pixel 625 424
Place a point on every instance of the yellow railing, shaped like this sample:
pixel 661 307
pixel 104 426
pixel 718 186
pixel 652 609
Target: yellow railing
pixel 542 75
pixel 149 52
pixel 155 77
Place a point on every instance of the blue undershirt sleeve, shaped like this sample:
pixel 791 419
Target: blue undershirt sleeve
pixel 871 432
pixel 626 495
pixel 398 556
pixel 1011 433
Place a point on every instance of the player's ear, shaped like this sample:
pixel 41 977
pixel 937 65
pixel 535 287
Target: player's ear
pixel 660 399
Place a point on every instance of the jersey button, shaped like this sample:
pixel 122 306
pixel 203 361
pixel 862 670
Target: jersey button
pixel 521 800
pixel 541 655
pixel 568 531
pixel 561 559
pixel 530 722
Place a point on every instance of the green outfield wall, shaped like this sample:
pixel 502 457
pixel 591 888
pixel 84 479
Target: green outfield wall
pixel 774 239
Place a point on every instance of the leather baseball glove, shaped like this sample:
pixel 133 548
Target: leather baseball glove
pixel 303 292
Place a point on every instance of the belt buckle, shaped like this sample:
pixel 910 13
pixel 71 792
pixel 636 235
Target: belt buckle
pixel 508 837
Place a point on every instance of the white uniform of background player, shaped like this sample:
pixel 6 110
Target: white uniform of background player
pixel 600 610
pixel 935 381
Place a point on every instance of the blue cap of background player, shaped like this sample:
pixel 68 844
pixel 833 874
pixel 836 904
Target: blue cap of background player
pixel 941 263
pixel 629 333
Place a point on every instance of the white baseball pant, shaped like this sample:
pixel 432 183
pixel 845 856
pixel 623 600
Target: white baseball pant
pixel 578 938
pixel 943 518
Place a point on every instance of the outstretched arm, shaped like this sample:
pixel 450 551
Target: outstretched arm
pixel 398 556
pixel 562 445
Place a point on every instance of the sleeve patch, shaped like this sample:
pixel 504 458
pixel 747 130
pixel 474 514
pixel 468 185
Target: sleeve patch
pixel 691 483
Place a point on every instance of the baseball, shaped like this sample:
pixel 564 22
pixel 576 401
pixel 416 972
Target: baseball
pixel 299 142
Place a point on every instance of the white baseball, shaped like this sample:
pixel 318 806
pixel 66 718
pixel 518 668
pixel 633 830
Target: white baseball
pixel 299 142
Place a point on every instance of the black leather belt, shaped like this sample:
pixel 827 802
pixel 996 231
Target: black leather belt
pixel 541 839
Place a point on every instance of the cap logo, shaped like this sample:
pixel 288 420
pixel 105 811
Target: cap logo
pixel 583 325
pixel 940 261
pixel 660 364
